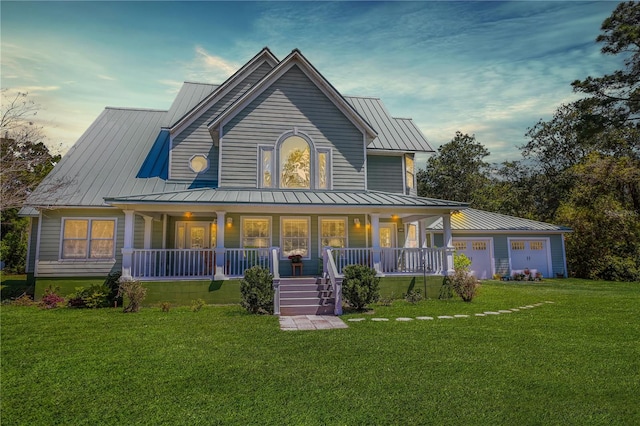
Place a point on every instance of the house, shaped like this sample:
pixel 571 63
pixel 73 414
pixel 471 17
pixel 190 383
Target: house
pixel 273 162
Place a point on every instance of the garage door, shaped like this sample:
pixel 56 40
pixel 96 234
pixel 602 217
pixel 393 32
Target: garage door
pixel 479 252
pixel 532 254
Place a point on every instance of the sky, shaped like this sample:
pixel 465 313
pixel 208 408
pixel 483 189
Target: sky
pixel 488 68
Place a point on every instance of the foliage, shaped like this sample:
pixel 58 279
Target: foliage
pixel 24 300
pixel 134 292
pixel 51 299
pixel 96 296
pixel 13 241
pixel 457 172
pixel 197 305
pixel 165 306
pixel 113 283
pixel 256 290
pixel 462 282
pixel 413 296
pixel 360 286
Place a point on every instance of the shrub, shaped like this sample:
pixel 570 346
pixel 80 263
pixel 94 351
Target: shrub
pixel 113 283
pixel 360 286
pixel 413 296
pixel 256 289
pixel 197 305
pixel 96 296
pixel 51 299
pixel 24 300
pixel 165 306
pixel 135 293
pixel 386 300
pixel 446 290
pixel 462 282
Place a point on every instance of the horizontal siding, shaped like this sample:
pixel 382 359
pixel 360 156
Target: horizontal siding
pixel 384 173
pixel 292 101
pixel 156 234
pixel 49 264
pixel 196 138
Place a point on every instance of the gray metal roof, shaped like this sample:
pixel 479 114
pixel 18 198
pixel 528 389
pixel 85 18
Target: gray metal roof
pixel 189 96
pixel 237 196
pixel 479 220
pixel 395 134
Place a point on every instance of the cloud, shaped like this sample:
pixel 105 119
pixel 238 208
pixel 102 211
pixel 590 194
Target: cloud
pixel 207 67
pixel 106 77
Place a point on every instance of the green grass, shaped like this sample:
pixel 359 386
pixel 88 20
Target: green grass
pixel 574 362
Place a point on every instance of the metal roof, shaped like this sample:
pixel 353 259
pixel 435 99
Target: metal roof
pixel 189 96
pixel 479 220
pixel 395 134
pixel 237 196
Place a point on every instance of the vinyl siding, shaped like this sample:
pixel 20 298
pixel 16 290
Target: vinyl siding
pixel 49 264
pixel 291 101
pixel 384 173
pixel 196 138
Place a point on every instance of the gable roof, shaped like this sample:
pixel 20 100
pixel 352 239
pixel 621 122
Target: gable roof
pixel 294 58
pixel 189 96
pixel 473 220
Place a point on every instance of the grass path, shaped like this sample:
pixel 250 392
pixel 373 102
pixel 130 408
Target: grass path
pixel 576 361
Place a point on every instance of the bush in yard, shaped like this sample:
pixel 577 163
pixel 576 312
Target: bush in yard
pixel 360 286
pixel 113 283
pixel 96 296
pixel 24 300
pixel 135 293
pixel 256 289
pixel 51 299
pixel 462 282
pixel 197 305
pixel 413 296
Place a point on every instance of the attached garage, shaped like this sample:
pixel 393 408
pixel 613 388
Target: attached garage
pixel 480 252
pixel 532 254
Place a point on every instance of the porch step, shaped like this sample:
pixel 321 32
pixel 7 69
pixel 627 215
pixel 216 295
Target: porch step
pixel 305 296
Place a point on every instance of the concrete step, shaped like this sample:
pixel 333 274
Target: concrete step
pixel 301 280
pixel 287 294
pixel 306 310
pixel 306 301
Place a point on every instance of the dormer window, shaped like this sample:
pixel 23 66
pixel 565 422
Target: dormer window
pixel 199 163
pixel 294 163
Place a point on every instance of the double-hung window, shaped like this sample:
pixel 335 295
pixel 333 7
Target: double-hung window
pixel 333 232
pixel 256 232
pixel 409 171
pixel 295 236
pixel 88 239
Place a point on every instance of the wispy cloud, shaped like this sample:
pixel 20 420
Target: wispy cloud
pixel 207 67
pixel 106 77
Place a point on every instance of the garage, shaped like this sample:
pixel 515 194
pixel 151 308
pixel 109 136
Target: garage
pixel 530 254
pixel 479 251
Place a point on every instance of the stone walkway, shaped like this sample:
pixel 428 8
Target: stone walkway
pixel 311 322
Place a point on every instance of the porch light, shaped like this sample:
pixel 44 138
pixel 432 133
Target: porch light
pixel 356 222
pixel 187 214
pixel 229 222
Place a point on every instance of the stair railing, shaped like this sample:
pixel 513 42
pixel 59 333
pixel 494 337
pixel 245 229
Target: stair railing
pixel 275 270
pixel 335 279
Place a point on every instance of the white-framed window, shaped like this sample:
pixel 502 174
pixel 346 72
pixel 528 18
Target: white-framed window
pixel 255 232
pixel 199 163
pixel 460 245
pixel 410 175
pixel 412 236
pixel 295 236
pixel 333 232
pixel 88 238
pixel 293 162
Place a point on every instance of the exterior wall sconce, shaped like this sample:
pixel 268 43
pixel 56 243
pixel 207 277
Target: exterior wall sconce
pixel 356 222
pixel 187 214
pixel 215 221
pixel 229 222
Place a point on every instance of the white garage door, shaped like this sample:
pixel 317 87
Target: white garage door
pixel 479 252
pixel 531 254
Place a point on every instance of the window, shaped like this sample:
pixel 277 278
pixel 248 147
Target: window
pixel 88 238
pixel 333 232
pixel 295 236
pixel 479 245
pixel 460 245
pixel 324 168
pixel 295 163
pixel 410 171
pixel 536 245
pixel 256 232
pixel 266 162
pixel 412 236
pixel 517 245
pixel 199 163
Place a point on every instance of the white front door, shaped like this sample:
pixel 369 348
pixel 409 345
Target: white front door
pixel 479 251
pixel 530 254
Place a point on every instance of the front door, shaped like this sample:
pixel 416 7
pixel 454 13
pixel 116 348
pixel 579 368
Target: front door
pixel 195 235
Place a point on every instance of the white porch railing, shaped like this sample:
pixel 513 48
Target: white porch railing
pixel 400 260
pixel 335 279
pixel 196 263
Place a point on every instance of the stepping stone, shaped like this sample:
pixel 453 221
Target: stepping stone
pixel 424 318
pixel 492 313
pixel 548 301
pixel 445 317
pixel 404 319
pixel 356 319
pixel 379 319
pixel 461 316
pixel 524 307
pixel 481 315
pixel 530 306
pixel 504 311
pixel 515 309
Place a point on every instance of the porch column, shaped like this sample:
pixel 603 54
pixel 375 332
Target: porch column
pixel 448 242
pixel 164 231
pixel 127 249
pixel 375 241
pixel 148 224
pixel 422 233
pixel 220 223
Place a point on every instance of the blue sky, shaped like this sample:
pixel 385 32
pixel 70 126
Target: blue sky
pixel 492 68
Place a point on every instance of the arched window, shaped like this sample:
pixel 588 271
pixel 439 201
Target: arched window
pixel 295 163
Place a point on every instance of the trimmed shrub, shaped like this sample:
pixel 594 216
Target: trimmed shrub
pixel 256 290
pixel 134 292
pixel 462 282
pixel 360 286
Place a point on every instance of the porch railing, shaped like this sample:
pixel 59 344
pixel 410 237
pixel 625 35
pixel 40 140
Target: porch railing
pixel 334 279
pixel 173 263
pixel 400 260
pixel 238 260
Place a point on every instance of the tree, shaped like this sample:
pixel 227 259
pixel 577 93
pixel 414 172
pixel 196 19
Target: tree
pixel 457 172
pixel 25 161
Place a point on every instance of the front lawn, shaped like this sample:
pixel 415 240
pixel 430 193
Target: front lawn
pixel 575 361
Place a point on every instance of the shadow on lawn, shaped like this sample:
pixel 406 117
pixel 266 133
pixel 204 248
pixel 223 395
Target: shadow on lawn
pixel 14 287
